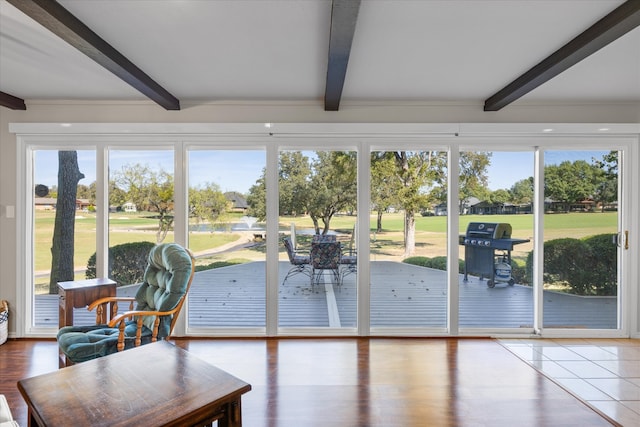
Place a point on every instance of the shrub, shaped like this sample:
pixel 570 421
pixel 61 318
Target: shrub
pixel 439 262
pixel 127 263
pixel 519 273
pixel 603 264
pixel 421 261
pixel 567 260
pixel 588 266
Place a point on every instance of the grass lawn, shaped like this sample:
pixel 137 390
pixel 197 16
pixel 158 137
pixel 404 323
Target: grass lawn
pixel 387 244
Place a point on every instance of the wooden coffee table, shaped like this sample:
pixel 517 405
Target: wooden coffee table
pixel 156 384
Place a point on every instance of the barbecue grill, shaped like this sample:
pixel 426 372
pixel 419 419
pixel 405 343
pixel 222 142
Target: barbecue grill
pixel 480 243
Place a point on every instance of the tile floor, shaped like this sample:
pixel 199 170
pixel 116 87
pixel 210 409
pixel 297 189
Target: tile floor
pixel 604 373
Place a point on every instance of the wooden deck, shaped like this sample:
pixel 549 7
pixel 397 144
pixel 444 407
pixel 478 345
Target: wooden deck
pixel 402 296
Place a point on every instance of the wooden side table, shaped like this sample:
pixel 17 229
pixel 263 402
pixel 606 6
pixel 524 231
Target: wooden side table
pixel 81 293
pixel 78 294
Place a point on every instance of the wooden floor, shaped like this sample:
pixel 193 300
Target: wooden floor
pixel 378 381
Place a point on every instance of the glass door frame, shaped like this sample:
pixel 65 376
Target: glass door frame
pixel 32 136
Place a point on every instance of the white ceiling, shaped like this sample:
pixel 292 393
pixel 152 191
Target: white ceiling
pixel 241 50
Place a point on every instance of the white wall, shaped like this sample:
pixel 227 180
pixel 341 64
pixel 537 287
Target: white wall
pixel 275 112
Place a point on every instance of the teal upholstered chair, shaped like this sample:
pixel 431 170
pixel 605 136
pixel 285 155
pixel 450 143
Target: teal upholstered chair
pixel 159 299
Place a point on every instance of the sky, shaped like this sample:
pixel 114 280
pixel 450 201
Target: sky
pixel 238 170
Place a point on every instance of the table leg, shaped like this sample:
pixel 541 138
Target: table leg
pixel 234 415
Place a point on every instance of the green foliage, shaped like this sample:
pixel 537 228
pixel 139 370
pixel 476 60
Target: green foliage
pixel 217 264
pixel 150 190
pixel 127 263
pixel 588 266
pixel 522 191
pixel 603 264
pixel 207 202
pixel 571 182
pixel 519 273
pixel 438 262
pixel 421 261
pixel 567 260
pixel 333 185
pixel 473 176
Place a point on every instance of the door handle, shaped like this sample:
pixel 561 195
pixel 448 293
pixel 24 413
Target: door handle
pixel 626 239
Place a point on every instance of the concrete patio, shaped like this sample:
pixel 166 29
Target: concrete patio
pixel 402 296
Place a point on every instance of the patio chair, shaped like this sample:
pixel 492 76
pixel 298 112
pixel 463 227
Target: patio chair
pixel 167 279
pixel 325 256
pixel 349 259
pixel 299 263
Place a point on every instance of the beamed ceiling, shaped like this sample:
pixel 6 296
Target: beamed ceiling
pixel 488 52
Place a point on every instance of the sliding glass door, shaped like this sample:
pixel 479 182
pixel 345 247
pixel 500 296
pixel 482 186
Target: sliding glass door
pixel 496 223
pixel 408 240
pixel 317 286
pixel 63 212
pixel 542 242
pixel 227 235
pixel 583 239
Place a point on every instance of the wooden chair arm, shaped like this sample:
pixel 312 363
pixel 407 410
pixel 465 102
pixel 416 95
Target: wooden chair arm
pixel 119 320
pixel 106 300
pixel 101 304
pixel 129 314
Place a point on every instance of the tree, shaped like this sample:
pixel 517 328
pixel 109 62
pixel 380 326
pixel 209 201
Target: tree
pixel 606 191
pixel 63 246
pixel 333 186
pixel 473 176
pixel 207 202
pixel 150 191
pixel 294 172
pixel 500 197
pixel 257 198
pixel 569 182
pixel 416 173
pixel 384 185
pixel 117 196
pixel 522 191
pixel 85 192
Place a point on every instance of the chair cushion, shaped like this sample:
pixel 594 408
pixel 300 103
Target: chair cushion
pixel 82 343
pixel 165 282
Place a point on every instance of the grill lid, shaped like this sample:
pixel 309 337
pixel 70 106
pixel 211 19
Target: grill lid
pixel 489 230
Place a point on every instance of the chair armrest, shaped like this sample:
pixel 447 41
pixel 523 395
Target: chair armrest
pixel 101 304
pixel 119 320
pixel 106 300
pixel 132 313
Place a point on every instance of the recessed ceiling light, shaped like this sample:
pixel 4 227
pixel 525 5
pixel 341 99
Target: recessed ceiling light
pixel 268 125
pixel 547 130
pixel 65 125
pixel 603 129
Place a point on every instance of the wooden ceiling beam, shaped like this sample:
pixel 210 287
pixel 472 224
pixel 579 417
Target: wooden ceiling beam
pixel 53 16
pixel 12 102
pixel 617 23
pixel 344 14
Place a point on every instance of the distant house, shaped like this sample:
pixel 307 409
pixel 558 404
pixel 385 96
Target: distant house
pixel 129 207
pixel 82 204
pixel 238 202
pixel 488 208
pixel 50 203
pixel 45 203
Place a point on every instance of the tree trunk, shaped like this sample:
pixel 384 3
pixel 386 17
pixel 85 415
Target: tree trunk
pixel 409 233
pixel 316 226
pixel 379 222
pixel 62 249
